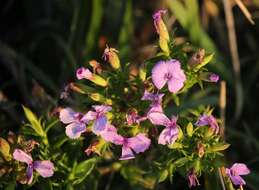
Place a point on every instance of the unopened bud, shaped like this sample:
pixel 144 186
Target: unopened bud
pixel 100 98
pixel 201 150
pixel 111 55
pixel 162 31
pixel 209 77
pixel 83 73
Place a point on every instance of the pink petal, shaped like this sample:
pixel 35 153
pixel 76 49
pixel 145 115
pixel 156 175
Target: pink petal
pixel 139 143
pixel 158 74
pixel 67 115
pixel 110 134
pixel 168 136
pixel 240 169
pixel 75 129
pixel 126 153
pixel 174 85
pixel 83 73
pixel 202 121
pixel 117 139
pixel 99 125
pixel 29 174
pixel 102 108
pixel 21 156
pixel 177 74
pixel 158 118
pixel 236 179
pixel 147 96
pixel 89 116
pixel 45 168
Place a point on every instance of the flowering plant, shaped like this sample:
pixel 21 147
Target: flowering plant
pixel 125 123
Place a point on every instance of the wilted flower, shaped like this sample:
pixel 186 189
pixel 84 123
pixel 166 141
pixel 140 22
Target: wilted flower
pixel 204 120
pixel 91 148
pixel 45 167
pixel 96 66
pixel 235 172
pixel 170 133
pixel 75 120
pixel 192 179
pixel 99 117
pixel 110 55
pixel 197 58
pixel 84 73
pixel 168 72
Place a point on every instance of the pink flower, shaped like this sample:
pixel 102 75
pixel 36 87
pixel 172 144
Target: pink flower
pixel 45 168
pixel 236 171
pixel 75 120
pixel 213 77
pixel 192 179
pixel 170 133
pixel 99 117
pixel 208 120
pixel 169 72
pixel 139 143
pixel 83 73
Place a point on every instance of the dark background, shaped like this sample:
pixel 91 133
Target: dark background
pixel 43 42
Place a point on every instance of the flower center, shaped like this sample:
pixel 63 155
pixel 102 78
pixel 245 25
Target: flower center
pixel 168 76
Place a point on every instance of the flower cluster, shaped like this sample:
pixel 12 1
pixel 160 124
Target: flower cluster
pixel 169 77
pixel 133 114
pixel 44 167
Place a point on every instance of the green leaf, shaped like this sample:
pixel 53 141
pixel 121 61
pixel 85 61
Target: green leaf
pixel 142 72
pixel 218 147
pixel 163 175
pixel 180 133
pixel 5 149
pixel 181 161
pixel 83 169
pixel 35 123
pixel 10 186
pixel 175 145
pixel 205 61
pixel 189 129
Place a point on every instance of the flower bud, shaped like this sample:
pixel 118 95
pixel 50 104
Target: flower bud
pixel 83 73
pixel 96 66
pixel 110 55
pixel 5 149
pixel 100 98
pixel 162 31
pixel 99 80
pixel 143 72
pixel 201 150
pixel 209 77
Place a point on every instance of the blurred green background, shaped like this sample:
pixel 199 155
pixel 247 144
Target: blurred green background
pixel 43 42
